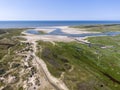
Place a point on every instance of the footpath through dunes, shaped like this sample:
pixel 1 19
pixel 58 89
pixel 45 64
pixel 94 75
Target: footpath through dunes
pixel 54 81
pixel 37 79
pixel 40 64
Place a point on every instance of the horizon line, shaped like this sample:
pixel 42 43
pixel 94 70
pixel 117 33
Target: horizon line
pixel 59 20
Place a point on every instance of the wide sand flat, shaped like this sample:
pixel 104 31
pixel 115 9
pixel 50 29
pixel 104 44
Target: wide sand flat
pixel 65 29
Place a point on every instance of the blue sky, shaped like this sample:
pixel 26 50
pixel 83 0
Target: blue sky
pixel 59 9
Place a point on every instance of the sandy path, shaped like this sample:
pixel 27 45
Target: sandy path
pixel 57 83
pixel 31 83
pixel 54 81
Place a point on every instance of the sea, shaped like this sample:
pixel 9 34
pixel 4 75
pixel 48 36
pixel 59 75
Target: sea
pixel 36 24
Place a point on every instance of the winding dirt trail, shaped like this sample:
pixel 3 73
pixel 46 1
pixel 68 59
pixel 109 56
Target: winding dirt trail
pixel 55 82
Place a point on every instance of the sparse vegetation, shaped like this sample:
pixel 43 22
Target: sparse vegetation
pixel 10 62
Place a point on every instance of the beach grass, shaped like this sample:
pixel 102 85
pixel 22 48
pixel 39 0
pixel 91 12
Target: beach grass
pixel 10 62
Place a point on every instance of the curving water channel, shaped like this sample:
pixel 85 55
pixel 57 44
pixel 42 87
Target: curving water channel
pixel 58 31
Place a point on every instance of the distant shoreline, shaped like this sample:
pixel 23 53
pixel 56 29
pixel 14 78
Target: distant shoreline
pixel 37 24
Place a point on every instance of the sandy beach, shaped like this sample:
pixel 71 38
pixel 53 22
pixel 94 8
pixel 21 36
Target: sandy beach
pixel 65 29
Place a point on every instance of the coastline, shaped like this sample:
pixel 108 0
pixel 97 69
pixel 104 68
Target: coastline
pixel 58 38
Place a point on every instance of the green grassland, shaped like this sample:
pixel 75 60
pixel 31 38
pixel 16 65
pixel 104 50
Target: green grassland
pixel 94 66
pixel 99 28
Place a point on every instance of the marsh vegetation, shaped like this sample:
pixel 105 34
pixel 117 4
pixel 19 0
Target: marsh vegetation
pixel 94 66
